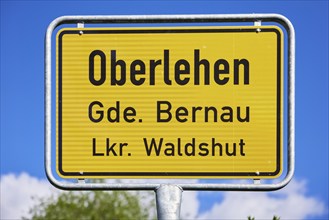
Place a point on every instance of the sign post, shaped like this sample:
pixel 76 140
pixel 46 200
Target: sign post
pixel 170 102
pixel 168 201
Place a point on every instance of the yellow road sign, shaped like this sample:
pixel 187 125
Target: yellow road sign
pixel 183 102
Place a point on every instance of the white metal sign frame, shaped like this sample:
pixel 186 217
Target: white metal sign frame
pixel 211 18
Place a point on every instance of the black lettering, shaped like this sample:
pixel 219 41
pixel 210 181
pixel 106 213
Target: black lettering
pixel 233 153
pixel 214 144
pixel 237 64
pixel 163 111
pixel 180 71
pixel 206 115
pixel 94 149
pixel 134 71
pixel 109 148
pixel 116 112
pixel 197 63
pixel 170 150
pixel 153 144
pixel 100 113
pixel 194 110
pixel 153 64
pixel 203 149
pixel 246 118
pixel 114 64
pixel 181 111
pixel 121 146
pixel 190 148
pixel 166 67
pixel 129 111
pixel 179 146
pixel 241 147
pixel 102 78
pixel 218 71
pixel 227 116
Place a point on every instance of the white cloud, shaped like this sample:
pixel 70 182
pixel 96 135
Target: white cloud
pixel 292 202
pixel 288 203
pixel 17 192
pixel 190 205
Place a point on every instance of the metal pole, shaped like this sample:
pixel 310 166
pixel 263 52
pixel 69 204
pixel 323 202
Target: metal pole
pixel 168 201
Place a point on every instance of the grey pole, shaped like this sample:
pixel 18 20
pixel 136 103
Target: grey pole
pixel 168 201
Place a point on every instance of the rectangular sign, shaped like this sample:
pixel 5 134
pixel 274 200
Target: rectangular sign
pixel 183 102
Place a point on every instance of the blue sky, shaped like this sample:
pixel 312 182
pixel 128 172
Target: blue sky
pixel 23 27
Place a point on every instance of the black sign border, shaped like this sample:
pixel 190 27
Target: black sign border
pixel 253 175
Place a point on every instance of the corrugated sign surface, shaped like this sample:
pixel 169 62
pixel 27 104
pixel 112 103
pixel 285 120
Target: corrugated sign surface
pixel 184 102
